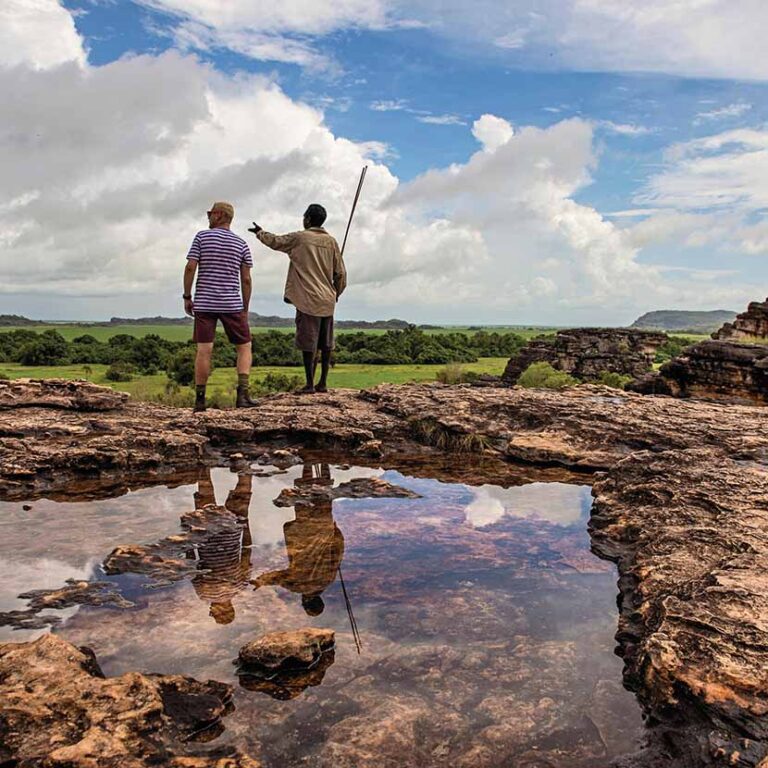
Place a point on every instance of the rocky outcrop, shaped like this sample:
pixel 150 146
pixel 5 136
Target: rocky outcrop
pixel 713 370
pixel 586 353
pixel 57 709
pixel 750 324
pixel 689 531
pixel 59 394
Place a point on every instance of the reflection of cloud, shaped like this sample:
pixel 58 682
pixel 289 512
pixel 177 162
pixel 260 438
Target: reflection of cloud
pixel 556 503
pixel 19 576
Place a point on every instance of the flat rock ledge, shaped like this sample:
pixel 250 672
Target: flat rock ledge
pixel 58 709
pixel 682 508
pixel 298 649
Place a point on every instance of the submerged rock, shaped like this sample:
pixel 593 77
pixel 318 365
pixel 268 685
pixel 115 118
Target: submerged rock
pixel 588 352
pixel 298 649
pixel 56 708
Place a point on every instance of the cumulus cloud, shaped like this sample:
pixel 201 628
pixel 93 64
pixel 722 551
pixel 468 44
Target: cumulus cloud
pixel 492 132
pixel 128 157
pixel 40 33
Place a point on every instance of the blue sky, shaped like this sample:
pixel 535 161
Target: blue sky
pixel 532 162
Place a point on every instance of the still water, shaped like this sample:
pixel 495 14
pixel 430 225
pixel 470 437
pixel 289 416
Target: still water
pixel 485 624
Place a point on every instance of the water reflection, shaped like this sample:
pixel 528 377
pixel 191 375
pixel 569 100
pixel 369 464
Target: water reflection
pixel 313 542
pixel 224 557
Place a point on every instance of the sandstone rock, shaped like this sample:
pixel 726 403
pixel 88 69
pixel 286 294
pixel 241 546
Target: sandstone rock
pixel 713 370
pixel 688 530
pixel 57 708
pixel 296 649
pixel 286 684
pixel 60 394
pixel 752 323
pixel 587 352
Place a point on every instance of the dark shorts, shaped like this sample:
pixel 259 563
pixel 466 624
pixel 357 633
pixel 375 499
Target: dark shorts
pixel 235 326
pixel 313 333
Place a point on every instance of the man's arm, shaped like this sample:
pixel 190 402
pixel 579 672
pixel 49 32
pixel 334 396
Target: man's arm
pixel 339 273
pixel 246 286
pixel 189 279
pixel 284 243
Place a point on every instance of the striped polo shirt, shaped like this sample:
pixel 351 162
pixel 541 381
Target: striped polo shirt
pixel 220 254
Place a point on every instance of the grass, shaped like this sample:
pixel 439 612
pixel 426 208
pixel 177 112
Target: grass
pixel 184 332
pixel 224 379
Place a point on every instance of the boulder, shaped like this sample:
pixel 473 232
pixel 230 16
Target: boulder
pixel 293 650
pixel 713 370
pixel 57 708
pixel 750 324
pixel 588 352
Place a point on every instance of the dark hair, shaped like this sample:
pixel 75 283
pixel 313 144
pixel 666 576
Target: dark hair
pixel 312 604
pixel 315 215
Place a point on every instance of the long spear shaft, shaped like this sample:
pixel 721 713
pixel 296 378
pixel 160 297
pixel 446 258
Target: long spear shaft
pixel 354 205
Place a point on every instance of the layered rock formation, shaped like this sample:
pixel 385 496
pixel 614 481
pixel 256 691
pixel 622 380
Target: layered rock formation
pixel 588 352
pixel 750 324
pixel 713 370
pixel 57 709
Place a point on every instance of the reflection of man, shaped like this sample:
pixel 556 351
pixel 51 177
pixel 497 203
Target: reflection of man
pixel 316 279
pixel 314 544
pixel 225 554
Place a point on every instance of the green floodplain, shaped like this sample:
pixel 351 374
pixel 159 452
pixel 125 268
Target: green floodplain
pixel 184 332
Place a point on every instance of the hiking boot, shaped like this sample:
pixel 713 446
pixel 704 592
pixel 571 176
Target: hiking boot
pixel 199 406
pixel 244 399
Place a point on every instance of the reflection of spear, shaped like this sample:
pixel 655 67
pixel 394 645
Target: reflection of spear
pixel 354 205
pixel 352 622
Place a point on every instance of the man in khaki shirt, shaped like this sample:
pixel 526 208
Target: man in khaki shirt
pixel 316 279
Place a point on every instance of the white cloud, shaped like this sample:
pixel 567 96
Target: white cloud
pixel 40 33
pixel 391 105
pixel 682 37
pixel 441 119
pixel 492 132
pixel 736 109
pixel 623 129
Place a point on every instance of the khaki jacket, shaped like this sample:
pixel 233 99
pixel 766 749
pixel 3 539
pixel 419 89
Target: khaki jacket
pixel 317 275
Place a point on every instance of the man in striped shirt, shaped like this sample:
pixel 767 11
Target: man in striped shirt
pixel 222 262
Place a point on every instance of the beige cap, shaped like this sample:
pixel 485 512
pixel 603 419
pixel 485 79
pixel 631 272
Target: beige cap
pixel 227 208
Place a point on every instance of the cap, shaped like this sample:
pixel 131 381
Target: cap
pixel 227 208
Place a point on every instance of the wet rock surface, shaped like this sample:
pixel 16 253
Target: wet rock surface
pixel 713 370
pixel 682 511
pixel 689 531
pixel 298 649
pixel 58 709
pixel 588 352
pixel 358 488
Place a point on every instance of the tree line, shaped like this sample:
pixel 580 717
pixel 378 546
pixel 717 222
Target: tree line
pixel 152 353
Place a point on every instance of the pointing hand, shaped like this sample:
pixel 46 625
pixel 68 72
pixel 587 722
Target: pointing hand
pixel 255 228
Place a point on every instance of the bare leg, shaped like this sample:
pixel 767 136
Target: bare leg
pixel 244 358
pixel 322 385
pixel 203 363
pixel 309 371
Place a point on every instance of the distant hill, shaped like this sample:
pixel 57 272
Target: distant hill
pixel 683 320
pixel 16 320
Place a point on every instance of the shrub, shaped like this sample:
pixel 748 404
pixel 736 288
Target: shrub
pixel 276 382
pixel 613 379
pixel 119 372
pixel 4 376
pixel 181 367
pixel 544 376
pixel 453 373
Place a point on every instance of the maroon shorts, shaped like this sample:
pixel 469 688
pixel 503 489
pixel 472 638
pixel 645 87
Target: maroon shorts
pixel 235 326
pixel 313 333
